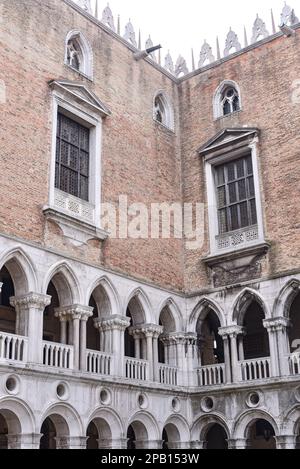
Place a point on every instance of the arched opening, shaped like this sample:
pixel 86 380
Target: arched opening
pixel 9 426
pixel 170 437
pixel 7 312
pixel 3 433
pixel 137 436
pixel 256 340
pixel 78 54
pixel 51 326
pixel 216 438
pixel 99 435
pixel 96 338
pixel 210 343
pixel 166 353
pixel 297 446
pixel 92 437
pixel 55 433
pixel 135 342
pixel 162 111
pixel 131 438
pixel 230 100
pixel 261 435
pixel 92 334
pixel 294 330
pixel 48 440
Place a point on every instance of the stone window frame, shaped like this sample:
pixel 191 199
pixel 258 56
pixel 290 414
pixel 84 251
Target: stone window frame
pixel 210 164
pixel 218 110
pixel 87 64
pixel 168 109
pixel 77 228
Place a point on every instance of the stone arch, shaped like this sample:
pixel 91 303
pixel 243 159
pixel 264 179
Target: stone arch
pixel 65 282
pixel 19 417
pixel 203 424
pixel 162 104
pixel 201 310
pixel 140 307
pixel 65 418
pixel 105 293
pixel 217 98
pixel 242 303
pixel 21 271
pixel 84 49
pixel 245 420
pixel 286 297
pixel 177 429
pixel 112 419
pixel 173 317
pixel 291 421
pixel 145 426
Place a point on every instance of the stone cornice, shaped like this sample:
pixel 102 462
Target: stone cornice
pixel 31 300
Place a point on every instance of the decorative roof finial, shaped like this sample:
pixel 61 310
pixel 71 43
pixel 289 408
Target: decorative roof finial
pixel 181 67
pixel 85 5
pixel 245 37
pixel 206 54
pixel 288 16
pixel 108 18
pixel 149 44
pixel 169 64
pixel 193 60
pixel 97 9
pixel 130 33
pixel 232 42
pixel 259 29
pixel 218 50
pixel 273 23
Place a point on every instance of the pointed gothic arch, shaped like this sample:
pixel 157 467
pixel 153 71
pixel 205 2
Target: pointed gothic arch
pixel 79 53
pixel 21 270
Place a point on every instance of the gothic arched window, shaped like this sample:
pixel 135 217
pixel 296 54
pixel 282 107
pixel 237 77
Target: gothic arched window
pixel 78 53
pixel 162 111
pixel 227 99
pixel 230 101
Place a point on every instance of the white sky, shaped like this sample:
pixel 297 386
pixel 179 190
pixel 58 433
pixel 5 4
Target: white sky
pixel 179 26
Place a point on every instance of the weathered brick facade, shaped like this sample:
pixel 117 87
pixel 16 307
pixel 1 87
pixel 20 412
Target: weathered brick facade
pixel 145 343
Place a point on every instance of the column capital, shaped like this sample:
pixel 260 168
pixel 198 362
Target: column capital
pixel 231 331
pixel 74 312
pixel 118 323
pixel 151 330
pixel 31 300
pixel 181 338
pixel 276 324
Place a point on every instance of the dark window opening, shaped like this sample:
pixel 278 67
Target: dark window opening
pixel 236 195
pixel 72 158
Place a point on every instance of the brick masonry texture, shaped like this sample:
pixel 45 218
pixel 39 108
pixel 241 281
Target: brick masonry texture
pixel 140 158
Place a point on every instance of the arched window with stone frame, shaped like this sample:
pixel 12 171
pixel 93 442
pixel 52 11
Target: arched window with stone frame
pixel 162 111
pixel 78 53
pixel 227 99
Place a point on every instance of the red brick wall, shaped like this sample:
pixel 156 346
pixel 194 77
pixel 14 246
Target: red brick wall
pixel 265 76
pixel 140 158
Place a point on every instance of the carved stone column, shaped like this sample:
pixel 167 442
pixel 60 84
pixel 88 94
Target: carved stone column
pixel 277 330
pixel 77 315
pixel 152 332
pixel 30 315
pixel 232 333
pixel 239 444
pixel 115 326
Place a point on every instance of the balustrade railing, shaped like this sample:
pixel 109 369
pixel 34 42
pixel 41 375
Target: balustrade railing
pixel 211 375
pixel 168 375
pixel 136 369
pixel 13 347
pixel 98 362
pixel 257 369
pixel 58 355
